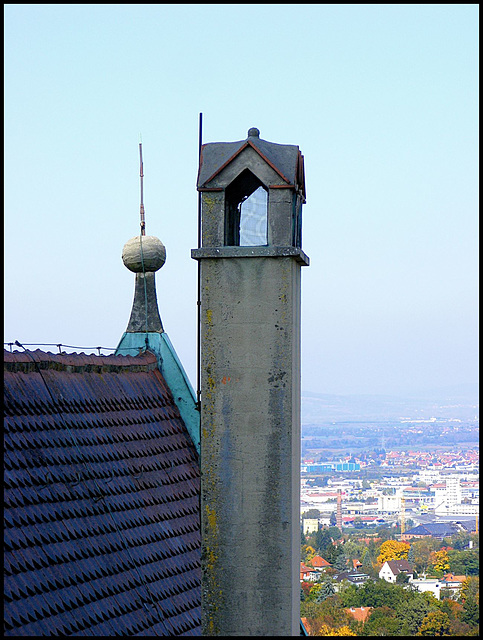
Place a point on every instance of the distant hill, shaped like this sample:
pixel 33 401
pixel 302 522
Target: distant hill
pixel 458 402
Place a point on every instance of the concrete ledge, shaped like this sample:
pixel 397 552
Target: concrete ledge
pixel 251 252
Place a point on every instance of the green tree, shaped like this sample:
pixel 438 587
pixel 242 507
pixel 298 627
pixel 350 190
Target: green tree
pixel 464 562
pixel 382 622
pixel 335 533
pixel 311 513
pixel 402 578
pixel 326 590
pixel 331 553
pixel 333 519
pixel 436 623
pixel 470 613
pixel 412 612
pixel 322 540
pixel 411 556
pixel 340 562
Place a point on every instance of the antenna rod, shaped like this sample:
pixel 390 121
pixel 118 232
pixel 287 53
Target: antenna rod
pixel 141 174
pixel 198 329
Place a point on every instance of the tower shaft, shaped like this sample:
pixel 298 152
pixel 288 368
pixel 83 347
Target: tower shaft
pixel 250 262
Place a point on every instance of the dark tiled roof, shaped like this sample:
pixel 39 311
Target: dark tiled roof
pixel 397 566
pixel 101 499
pixel 436 529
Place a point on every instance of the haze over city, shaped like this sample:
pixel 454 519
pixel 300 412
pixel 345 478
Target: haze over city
pixel 382 101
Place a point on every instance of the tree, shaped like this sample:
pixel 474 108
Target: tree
pixel 411 557
pixel 341 562
pixel 335 533
pixel 326 590
pixel 402 578
pixel 470 613
pixel 412 612
pixel 311 513
pixel 382 622
pixel 322 540
pixel 470 589
pixel 333 519
pixel 436 623
pixel 422 550
pixel 393 550
pixel 341 631
pixel 440 561
pixel 331 553
pixel 308 553
pixel 465 562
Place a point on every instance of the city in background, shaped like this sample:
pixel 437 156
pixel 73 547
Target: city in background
pixel 389 514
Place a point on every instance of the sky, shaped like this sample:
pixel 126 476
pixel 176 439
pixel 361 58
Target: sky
pixel 382 101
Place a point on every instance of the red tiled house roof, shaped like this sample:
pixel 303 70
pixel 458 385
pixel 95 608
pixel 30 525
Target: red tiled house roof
pixel 101 508
pixel 318 561
pixel 359 613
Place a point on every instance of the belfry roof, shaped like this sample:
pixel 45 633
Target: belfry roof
pixel 285 159
pixel 101 510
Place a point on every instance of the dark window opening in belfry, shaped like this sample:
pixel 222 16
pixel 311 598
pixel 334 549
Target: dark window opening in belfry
pixel 246 212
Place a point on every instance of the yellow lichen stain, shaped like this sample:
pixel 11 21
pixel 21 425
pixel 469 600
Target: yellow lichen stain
pixel 211 518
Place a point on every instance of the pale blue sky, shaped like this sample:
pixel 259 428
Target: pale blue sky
pixel 383 103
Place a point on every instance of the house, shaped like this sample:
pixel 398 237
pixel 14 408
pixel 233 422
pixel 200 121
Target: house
pixel 354 577
pixel 392 568
pixel 307 574
pixel 319 563
pixel 360 614
pixel 453 583
pixel 450 578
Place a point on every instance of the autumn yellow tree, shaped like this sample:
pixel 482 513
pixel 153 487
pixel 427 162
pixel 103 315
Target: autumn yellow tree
pixel 439 560
pixel 393 550
pixel 341 631
pixel 308 553
pixel 470 589
pixel 436 623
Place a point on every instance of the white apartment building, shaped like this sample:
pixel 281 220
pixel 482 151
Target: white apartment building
pixel 389 504
pixel 448 498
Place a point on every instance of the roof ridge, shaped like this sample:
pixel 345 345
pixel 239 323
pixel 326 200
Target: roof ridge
pixel 28 361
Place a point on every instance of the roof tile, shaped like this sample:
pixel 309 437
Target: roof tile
pixel 102 486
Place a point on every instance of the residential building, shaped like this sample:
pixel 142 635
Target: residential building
pixel 392 568
pixel 360 614
pixel 434 586
pixel 319 563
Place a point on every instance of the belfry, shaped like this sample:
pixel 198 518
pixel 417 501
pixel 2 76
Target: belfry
pixel 250 260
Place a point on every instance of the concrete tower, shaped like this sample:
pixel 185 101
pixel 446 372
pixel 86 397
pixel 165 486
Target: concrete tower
pixel 250 258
